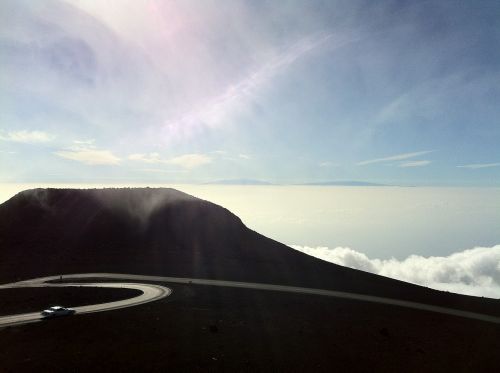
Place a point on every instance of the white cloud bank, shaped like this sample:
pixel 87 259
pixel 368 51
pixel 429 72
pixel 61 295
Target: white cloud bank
pixel 472 272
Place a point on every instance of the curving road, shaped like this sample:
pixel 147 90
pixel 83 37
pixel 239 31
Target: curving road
pixel 234 284
pixel 150 293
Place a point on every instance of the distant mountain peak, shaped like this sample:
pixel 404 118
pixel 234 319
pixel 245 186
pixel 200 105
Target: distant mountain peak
pixel 345 183
pixel 239 182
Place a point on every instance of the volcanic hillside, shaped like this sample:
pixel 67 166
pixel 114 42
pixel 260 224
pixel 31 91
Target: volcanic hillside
pixel 167 232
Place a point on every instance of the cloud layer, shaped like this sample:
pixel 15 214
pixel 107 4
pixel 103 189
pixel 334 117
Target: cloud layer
pixel 472 272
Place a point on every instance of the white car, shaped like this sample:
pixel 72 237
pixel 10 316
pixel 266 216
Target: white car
pixel 57 311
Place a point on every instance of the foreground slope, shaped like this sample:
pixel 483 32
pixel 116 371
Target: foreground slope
pixel 167 232
pixel 214 329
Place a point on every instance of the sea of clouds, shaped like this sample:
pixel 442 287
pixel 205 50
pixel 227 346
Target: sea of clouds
pixel 472 272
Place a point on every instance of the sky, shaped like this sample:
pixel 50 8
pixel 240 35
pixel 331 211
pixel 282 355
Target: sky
pixel 394 92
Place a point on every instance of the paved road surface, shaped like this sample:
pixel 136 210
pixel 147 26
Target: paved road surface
pixel 258 286
pixel 150 293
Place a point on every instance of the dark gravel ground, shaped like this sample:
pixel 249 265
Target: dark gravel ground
pixel 203 328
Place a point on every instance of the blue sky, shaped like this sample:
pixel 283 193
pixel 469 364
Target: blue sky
pixel 286 91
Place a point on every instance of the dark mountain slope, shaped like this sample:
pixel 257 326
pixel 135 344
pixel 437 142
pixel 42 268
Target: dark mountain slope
pixel 167 232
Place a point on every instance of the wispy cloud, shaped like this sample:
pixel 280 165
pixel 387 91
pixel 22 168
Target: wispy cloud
pixel 147 158
pixel 326 164
pixel 161 171
pixel 89 156
pixel 190 161
pixel 27 137
pixel 244 156
pixel 480 165
pixel 215 110
pixel 415 164
pixel 397 157
pixel 84 142
pixel 187 161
